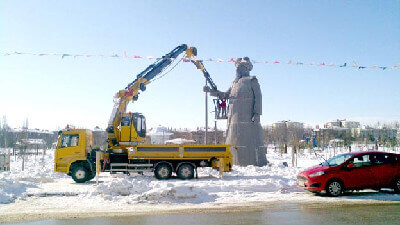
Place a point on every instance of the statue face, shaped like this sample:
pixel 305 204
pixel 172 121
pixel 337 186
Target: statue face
pixel 243 67
pixel 242 70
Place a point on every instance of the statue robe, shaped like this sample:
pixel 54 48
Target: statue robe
pixel 244 135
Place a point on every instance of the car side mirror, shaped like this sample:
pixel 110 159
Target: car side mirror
pixel 350 166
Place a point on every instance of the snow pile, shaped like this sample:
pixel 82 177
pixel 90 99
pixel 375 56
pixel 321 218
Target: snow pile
pixel 11 189
pixel 238 186
pixel 148 190
pixel 37 170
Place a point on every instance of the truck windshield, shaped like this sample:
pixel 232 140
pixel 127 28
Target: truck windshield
pixel 69 140
pixel 337 160
pixel 140 124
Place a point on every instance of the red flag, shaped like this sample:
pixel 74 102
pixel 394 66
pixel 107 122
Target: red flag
pixel 276 62
pixel 231 60
pixel 137 57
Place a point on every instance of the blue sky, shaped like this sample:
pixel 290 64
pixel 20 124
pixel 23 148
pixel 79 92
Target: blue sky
pixel 53 92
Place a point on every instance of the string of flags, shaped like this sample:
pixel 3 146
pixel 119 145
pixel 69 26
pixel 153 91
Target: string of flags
pixel 218 60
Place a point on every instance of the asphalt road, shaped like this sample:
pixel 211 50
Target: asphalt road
pixel 302 214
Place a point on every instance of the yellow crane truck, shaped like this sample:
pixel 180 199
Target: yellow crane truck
pixel 126 132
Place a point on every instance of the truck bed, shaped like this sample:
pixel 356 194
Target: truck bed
pixel 178 151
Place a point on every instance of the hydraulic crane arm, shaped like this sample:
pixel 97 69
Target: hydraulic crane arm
pixel 131 92
pixel 220 112
pixel 200 66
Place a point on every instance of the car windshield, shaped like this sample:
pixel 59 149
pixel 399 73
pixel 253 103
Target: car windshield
pixel 337 160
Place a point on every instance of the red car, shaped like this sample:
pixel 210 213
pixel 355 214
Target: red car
pixel 353 171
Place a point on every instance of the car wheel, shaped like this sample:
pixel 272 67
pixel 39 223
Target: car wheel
pixel 334 188
pixel 79 174
pixel 397 185
pixel 163 171
pixel 185 171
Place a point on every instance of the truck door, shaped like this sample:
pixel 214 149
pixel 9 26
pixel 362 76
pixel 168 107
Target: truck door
pixel 68 150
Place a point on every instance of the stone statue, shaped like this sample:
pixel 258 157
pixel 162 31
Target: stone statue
pixel 244 132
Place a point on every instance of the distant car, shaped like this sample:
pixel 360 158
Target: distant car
pixel 353 171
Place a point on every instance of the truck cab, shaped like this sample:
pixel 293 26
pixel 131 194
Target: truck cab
pixel 71 155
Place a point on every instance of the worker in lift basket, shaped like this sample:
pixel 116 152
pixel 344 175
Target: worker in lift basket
pixel 223 107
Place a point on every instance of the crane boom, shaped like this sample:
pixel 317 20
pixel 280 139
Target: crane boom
pixel 131 93
pixel 199 65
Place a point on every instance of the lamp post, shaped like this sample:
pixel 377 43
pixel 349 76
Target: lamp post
pixel 206 112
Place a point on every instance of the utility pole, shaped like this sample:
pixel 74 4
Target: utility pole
pixel 215 129
pixel 206 130
pixel 5 133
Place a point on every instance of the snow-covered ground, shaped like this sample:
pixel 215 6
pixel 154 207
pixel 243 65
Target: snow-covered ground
pixel 39 190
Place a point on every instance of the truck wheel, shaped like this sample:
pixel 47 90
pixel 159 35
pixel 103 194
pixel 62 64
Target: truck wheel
pixel 396 185
pixel 91 176
pixel 185 171
pixel 163 171
pixel 334 188
pixel 80 174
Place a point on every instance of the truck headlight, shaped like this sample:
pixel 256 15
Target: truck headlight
pixel 316 174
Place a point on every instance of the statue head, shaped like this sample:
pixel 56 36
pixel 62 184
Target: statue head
pixel 243 67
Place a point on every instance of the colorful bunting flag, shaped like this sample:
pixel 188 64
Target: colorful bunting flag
pixel 65 55
pixel 230 60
